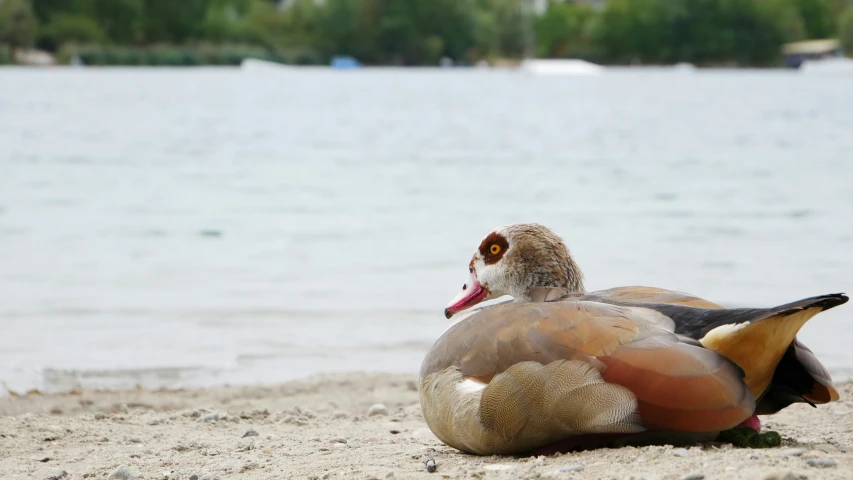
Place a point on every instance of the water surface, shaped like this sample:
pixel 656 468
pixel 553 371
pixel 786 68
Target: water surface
pixel 205 226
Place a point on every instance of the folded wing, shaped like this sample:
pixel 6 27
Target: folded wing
pixel 518 376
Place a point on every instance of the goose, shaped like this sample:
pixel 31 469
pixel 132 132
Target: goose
pixel 556 368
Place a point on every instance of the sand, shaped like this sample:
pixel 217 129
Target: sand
pixel 320 428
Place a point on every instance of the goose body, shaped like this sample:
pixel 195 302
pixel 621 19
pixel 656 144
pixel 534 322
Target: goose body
pixel 634 364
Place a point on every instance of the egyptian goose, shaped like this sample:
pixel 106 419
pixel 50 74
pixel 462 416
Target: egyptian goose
pixel 630 365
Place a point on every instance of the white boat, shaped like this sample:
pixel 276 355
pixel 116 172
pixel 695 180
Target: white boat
pixel 255 64
pixel 828 66
pixel 561 67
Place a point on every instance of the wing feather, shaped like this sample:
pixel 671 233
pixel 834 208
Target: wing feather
pixel 676 385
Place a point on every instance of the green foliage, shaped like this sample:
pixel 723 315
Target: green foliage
pixel 173 21
pixel 564 30
pixel 121 20
pixel 169 55
pixel 708 32
pixel 390 31
pixel 421 32
pixel 5 56
pixel 46 9
pixel 69 28
pixel 746 437
pixel 845 30
pixel 817 17
pixel 18 23
pixel 787 17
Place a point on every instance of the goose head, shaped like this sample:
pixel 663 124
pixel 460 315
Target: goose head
pixel 513 259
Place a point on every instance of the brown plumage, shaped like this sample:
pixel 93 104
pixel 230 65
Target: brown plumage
pixel 559 362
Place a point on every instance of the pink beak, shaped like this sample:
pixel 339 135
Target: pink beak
pixel 472 293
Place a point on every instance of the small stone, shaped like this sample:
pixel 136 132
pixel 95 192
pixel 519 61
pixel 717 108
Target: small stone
pixel 44 459
pixel 339 446
pixel 782 476
pixel 124 473
pixel 571 468
pixel 100 416
pixel 430 465
pixel 791 452
pixel 211 417
pixel 693 476
pixel 250 433
pixel 377 409
pixel 680 452
pixel 389 474
pixel 193 477
pixel 339 440
pixel 340 415
pixel 58 475
pixel 821 462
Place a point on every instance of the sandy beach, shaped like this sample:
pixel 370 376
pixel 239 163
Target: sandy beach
pixel 331 427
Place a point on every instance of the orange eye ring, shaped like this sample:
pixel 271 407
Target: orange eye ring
pixel 495 249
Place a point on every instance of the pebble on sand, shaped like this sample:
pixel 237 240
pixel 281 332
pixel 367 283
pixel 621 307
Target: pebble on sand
pixel 212 417
pixel 58 475
pixel 821 462
pixel 124 473
pixel 377 409
pixel 680 452
pixel 693 476
pixel 430 465
pixel 571 468
pixel 790 452
pixel 250 433
pixel 782 476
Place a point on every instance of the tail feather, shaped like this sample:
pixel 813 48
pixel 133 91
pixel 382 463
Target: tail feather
pixel 758 339
pixel 762 342
pixel 824 302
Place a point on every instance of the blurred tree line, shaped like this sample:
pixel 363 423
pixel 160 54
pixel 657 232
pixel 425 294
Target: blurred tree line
pixel 419 32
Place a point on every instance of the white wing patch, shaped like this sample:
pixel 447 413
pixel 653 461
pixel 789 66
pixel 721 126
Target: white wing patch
pixel 720 333
pixel 469 386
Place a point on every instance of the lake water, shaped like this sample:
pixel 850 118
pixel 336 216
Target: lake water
pixel 207 226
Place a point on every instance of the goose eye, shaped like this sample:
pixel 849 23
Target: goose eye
pixel 495 249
